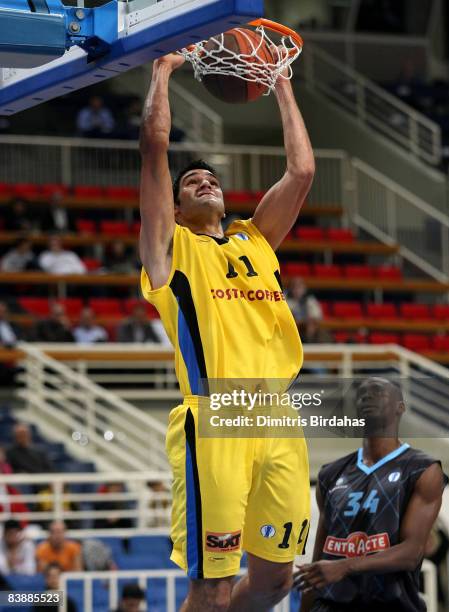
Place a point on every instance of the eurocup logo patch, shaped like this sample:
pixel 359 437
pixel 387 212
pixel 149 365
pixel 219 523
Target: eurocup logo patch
pixel 394 476
pixel 268 531
pixel 242 236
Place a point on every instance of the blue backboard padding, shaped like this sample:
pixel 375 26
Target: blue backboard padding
pixel 37 31
pixel 128 52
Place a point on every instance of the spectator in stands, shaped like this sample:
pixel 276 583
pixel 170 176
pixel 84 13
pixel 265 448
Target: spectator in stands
pixel 57 218
pixel 87 331
pixel 159 503
pixel 17 217
pixel 9 335
pixel 313 333
pixel 55 260
pixel 46 498
pixel 54 329
pixel 137 328
pixel 10 502
pixel 58 549
pixel 19 258
pixel 132 597
pixel 9 332
pixel 95 120
pixel 118 260
pixel 52 575
pixel 16 551
pixel 114 508
pixel 5 467
pixel 24 457
pixel 133 117
pixel 302 304
pixel 97 556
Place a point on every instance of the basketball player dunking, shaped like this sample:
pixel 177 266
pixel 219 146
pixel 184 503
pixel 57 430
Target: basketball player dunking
pixel 377 507
pixel 219 297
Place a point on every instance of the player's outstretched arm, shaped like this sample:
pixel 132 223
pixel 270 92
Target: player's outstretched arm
pixel 279 208
pixel 156 197
pixel 421 513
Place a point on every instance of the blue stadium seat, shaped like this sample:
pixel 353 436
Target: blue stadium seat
pixel 157 545
pixel 26 583
pixel 114 543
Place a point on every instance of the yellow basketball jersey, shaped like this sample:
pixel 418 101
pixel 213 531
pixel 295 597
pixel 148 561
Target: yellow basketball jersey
pixel 224 309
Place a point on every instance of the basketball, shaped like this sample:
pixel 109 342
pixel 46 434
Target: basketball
pixel 233 89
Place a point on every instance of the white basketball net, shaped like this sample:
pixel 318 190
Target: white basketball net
pixel 249 67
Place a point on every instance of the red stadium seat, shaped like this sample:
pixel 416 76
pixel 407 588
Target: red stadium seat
pixel 50 189
pixel 86 226
pixel 239 197
pixel 6 189
pixel 327 270
pixel 36 306
pixel 389 273
pixel 383 338
pixel 309 233
pixel 114 228
pixel 135 227
pixel 340 234
pixel 106 306
pixel 295 269
pixel 326 308
pixel 347 310
pixel 381 311
pixel 341 337
pixel 73 306
pixel 122 193
pixel 441 312
pixel 27 191
pixel 258 195
pixel 440 343
pixel 414 311
pixel 91 263
pixel 130 303
pixel 88 191
pixel 416 342
pixel 356 271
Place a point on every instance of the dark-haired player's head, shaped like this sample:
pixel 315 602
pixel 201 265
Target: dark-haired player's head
pixel 12 533
pixel 52 575
pixel 380 402
pixel 132 596
pixel 198 196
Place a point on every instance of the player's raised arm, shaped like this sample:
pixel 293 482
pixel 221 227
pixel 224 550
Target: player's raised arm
pixel 156 197
pixel 279 208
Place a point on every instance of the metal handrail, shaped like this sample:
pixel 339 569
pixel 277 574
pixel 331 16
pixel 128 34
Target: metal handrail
pixel 205 124
pixel 140 576
pixel 393 214
pixel 428 148
pixel 66 400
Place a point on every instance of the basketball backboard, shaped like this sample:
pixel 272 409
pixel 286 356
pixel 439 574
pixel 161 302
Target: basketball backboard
pixel 134 31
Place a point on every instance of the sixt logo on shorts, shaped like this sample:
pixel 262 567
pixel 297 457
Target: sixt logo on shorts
pixel 223 542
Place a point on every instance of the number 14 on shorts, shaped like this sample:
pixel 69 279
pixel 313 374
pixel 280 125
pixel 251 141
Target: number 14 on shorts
pixel 269 531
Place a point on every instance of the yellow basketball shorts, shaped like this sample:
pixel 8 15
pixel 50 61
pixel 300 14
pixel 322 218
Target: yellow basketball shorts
pixel 234 494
